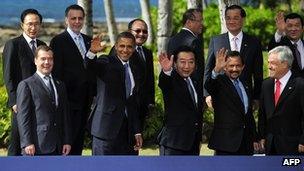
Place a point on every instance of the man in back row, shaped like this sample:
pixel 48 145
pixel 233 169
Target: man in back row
pixel 18 64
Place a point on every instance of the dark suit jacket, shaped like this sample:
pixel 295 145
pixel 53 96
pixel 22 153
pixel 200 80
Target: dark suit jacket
pixel 296 70
pixel 111 99
pixel 231 122
pixel 147 87
pixel 282 125
pixel 40 122
pixel 18 64
pixel 186 38
pixel 69 67
pixel 183 120
pixel 251 52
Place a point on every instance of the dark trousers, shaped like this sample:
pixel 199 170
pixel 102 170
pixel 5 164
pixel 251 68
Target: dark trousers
pixel 14 148
pixel 195 149
pixel 121 145
pixel 79 120
pixel 246 148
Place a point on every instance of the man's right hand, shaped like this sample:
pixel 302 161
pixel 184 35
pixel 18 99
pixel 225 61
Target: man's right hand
pixel 30 150
pixel 220 60
pixel 280 23
pixel 165 62
pixel 14 108
pixel 209 102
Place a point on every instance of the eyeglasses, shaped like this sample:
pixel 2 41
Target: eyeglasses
pixel 32 24
pixel 140 30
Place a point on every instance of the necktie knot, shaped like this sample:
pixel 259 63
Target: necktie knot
pixel 235 46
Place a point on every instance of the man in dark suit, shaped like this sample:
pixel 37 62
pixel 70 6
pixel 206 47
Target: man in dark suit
pixel 234 131
pixel 18 64
pixel 70 48
pixel 142 58
pixel 115 123
pixel 281 114
pixel 43 114
pixel 248 46
pixel 189 35
pixel 182 130
pixel 289 33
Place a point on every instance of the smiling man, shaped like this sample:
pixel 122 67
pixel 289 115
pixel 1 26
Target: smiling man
pixel 182 130
pixel 234 131
pixel 43 114
pixel 70 48
pixel 115 126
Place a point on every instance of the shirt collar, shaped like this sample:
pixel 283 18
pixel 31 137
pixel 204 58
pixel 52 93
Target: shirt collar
pixel 239 36
pixel 185 28
pixel 123 62
pixel 285 78
pixel 73 34
pixel 27 38
pixel 42 75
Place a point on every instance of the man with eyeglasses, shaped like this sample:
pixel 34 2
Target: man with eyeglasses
pixel 142 58
pixel 236 40
pixel 18 64
pixel 190 35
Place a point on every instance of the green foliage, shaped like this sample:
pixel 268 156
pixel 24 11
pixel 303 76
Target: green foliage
pixel 212 23
pixel 5 125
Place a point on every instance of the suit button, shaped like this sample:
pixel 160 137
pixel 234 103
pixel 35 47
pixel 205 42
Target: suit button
pixel 244 126
pixel 196 124
pixel 55 124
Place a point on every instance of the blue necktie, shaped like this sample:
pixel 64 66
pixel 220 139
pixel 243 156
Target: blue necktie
pixel 191 91
pixel 238 89
pixel 50 87
pixel 127 80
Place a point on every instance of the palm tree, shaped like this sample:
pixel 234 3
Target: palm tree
pixel 88 22
pixel 145 12
pixel 112 28
pixel 164 27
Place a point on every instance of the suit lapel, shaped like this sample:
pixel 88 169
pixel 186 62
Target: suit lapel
pixel 244 46
pixel 26 48
pixel 40 82
pixel 226 41
pixel 287 90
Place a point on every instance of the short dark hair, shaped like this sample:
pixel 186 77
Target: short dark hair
pixel 43 48
pixel 133 21
pixel 294 16
pixel 189 14
pixel 125 34
pixel 74 7
pixel 235 54
pixel 182 49
pixel 30 11
pixel 233 7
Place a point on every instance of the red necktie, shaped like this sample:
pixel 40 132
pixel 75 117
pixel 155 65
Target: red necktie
pixel 277 92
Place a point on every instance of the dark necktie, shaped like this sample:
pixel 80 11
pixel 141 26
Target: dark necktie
pixel 127 80
pixel 297 55
pixel 191 91
pixel 33 47
pixel 141 53
pixel 277 92
pixel 49 84
pixel 238 89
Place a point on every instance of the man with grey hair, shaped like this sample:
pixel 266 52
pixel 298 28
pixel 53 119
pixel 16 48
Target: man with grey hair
pixel 281 114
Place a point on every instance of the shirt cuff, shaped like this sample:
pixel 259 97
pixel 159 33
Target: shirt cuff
pixel 138 134
pixel 214 74
pixel 90 55
pixel 278 37
pixel 168 73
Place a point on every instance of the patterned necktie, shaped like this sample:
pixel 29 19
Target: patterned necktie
pixel 33 46
pixel 235 46
pixel 141 53
pixel 79 45
pixel 277 92
pixel 49 84
pixel 238 89
pixel 191 91
pixel 297 54
pixel 127 80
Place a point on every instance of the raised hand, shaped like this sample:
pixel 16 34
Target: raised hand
pixel 165 62
pixel 280 22
pixel 220 60
pixel 97 45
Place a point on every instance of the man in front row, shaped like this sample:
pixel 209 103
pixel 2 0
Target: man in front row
pixel 182 130
pixel 43 116
pixel 281 115
pixel 115 124
pixel 234 131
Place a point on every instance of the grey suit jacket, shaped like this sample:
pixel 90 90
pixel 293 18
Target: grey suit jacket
pixel 40 122
pixel 251 52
